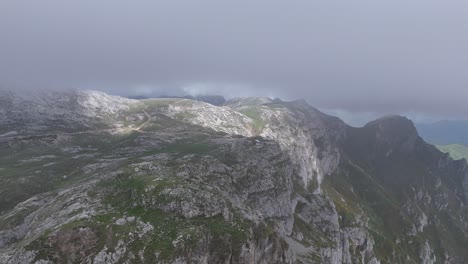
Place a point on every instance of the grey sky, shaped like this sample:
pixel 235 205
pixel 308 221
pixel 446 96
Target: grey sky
pixel 361 56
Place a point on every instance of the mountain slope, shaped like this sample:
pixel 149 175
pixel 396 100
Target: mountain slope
pixel 252 181
pixel 416 194
pixel 53 111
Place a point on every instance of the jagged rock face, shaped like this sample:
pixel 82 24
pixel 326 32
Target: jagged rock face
pixel 252 181
pixel 308 135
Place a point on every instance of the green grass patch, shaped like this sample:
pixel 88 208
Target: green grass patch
pixel 456 151
pixel 256 115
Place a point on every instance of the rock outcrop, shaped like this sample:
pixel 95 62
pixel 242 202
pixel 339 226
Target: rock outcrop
pixel 93 178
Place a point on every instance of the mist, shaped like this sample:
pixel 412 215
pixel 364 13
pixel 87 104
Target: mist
pixel 354 57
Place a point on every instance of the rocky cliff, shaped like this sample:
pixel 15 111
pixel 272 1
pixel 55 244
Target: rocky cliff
pixel 95 178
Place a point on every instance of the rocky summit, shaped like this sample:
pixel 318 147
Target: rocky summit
pixel 87 177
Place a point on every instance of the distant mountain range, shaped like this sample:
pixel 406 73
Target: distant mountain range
pixel 448 136
pixel 445 132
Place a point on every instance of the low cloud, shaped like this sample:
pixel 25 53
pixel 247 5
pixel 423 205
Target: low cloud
pixel 358 56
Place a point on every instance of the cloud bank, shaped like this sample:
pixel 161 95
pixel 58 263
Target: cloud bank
pixel 359 56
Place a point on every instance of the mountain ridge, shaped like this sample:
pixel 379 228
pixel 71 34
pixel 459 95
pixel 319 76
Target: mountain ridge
pixel 252 180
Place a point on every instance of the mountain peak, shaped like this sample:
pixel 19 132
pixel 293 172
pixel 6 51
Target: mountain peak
pixel 393 124
pixel 394 131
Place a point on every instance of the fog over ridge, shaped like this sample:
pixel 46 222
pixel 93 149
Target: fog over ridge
pixel 358 57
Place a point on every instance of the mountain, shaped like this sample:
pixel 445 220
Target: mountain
pixel 50 112
pixel 86 177
pixel 211 99
pixel 445 132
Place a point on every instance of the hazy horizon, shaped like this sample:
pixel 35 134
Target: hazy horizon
pixel 356 59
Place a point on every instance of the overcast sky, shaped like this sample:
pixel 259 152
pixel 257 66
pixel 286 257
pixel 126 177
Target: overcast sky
pixel 383 56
